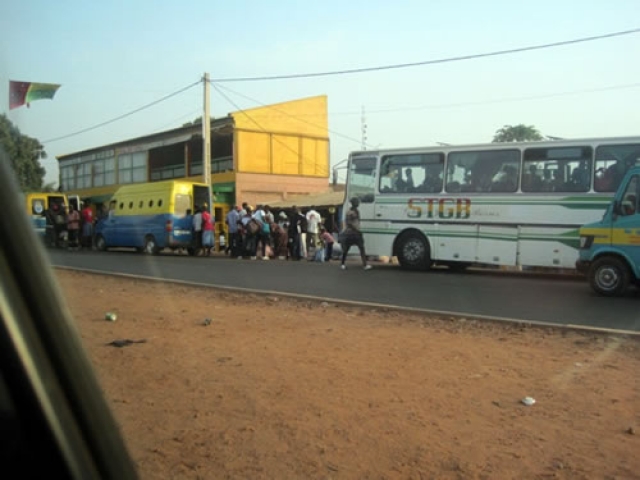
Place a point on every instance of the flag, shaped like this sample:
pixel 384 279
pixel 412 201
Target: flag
pixel 21 93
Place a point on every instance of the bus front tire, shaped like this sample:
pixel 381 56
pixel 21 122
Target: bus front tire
pixel 101 245
pixel 609 276
pixel 413 251
pixel 150 247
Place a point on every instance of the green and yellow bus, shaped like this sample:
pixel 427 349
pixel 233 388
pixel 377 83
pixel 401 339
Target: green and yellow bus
pixel 500 204
pixel 610 247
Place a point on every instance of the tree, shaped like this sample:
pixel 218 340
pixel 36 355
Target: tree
pixel 196 121
pixel 517 133
pixel 24 154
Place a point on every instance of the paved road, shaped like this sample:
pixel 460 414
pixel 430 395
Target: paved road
pixel 531 298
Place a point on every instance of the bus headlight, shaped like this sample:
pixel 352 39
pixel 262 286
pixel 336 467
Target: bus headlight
pixel 586 241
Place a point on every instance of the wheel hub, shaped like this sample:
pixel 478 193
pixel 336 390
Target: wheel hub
pixel 608 277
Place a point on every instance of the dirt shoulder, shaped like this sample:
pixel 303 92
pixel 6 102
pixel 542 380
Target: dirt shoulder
pixel 287 389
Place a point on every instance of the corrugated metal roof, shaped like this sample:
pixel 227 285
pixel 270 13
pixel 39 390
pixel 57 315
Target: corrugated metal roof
pixel 324 199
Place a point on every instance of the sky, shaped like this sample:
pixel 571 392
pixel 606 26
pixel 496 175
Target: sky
pixel 113 57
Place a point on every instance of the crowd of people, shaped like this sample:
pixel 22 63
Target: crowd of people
pixel 66 226
pixel 289 235
pixel 292 235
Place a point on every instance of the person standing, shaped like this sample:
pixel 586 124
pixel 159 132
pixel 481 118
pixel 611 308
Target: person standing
pixel 250 228
pixel 283 220
pixel 330 221
pixel 280 241
pixel 207 230
pixel 197 230
pixel 233 217
pixel 268 215
pixel 294 234
pixel 352 235
pixel 87 226
pixel 303 234
pixel 313 223
pixel 264 233
pixel 73 227
pixel 243 211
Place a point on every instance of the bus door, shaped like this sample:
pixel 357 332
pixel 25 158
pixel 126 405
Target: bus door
pixel 106 226
pixel 625 227
pixel 362 183
pixel 37 205
pixel 182 219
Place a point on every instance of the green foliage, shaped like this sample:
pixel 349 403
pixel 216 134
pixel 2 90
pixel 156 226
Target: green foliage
pixel 24 153
pixel 517 133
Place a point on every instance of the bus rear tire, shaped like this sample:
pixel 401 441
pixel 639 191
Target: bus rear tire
pixel 609 276
pixel 413 251
pixel 150 247
pixel 101 245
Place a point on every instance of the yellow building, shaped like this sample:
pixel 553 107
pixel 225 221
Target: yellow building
pixel 263 154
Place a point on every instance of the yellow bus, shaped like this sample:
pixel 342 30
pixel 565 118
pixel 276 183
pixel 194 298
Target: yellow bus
pixel 48 210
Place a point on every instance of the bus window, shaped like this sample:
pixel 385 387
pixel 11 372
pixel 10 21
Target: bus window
pixel 612 162
pixel 566 169
pixel 362 172
pixel 412 173
pixel 629 203
pixel 201 195
pixel 483 171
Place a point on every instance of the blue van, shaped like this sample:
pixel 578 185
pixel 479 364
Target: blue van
pixel 151 216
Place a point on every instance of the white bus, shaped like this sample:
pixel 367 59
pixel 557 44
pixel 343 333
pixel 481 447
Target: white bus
pixel 512 204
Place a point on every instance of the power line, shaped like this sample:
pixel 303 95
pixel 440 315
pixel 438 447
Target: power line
pixel 287 114
pixel 430 62
pixel 494 101
pixel 120 117
pixel 226 97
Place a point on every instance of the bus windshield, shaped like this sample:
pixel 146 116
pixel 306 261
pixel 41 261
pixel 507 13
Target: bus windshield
pixel 362 178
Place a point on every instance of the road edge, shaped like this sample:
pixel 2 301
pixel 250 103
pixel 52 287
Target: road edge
pixel 356 303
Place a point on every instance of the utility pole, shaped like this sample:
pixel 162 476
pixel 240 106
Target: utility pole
pixel 206 136
pixel 363 125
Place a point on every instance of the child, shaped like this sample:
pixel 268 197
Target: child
pixel 319 251
pixel 328 241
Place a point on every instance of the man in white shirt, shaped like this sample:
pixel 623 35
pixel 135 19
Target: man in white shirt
pixel 197 230
pixel 313 227
pixel 233 217
pixel 264 235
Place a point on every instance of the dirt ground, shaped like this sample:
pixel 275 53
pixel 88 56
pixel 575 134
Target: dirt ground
pixel 289 389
